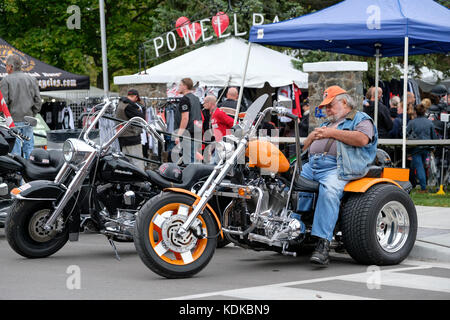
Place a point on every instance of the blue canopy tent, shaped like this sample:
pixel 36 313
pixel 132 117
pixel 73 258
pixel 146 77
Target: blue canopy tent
pixel 366 28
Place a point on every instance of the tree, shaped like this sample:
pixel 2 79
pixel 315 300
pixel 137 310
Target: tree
pixel 40 29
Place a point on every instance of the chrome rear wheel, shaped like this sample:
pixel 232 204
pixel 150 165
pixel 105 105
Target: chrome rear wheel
pixel 392 226
pixel 379 226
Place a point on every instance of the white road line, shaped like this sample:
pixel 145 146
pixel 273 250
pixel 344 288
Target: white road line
pixel 286 293
pixel 296 293
pixel 362 274
pixel 406 280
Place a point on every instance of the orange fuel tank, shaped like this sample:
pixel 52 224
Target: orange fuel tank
pixel 264 154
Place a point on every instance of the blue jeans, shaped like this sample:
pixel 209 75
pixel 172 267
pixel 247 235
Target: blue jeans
pixel 323 169
pixel 418 160
pixel 27 145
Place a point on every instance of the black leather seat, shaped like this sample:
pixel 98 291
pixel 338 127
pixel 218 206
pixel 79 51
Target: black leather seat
pixel 191 174
pixel 38 172
pixel 374 172
pixel 306 185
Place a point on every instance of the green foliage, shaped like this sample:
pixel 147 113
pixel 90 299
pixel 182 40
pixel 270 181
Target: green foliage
pixel 431 199
pixel 39 28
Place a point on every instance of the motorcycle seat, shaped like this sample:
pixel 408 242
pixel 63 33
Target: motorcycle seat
pixel 36 172
pixel 306 185
pixel 374 172
pixel 193 173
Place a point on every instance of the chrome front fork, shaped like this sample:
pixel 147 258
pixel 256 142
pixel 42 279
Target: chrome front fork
pixel 206 192
pixel 71 189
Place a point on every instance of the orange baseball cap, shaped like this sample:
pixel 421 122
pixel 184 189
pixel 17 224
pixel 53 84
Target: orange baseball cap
pixel 330 93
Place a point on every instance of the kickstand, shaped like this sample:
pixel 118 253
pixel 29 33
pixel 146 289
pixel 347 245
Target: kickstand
pixel 111 242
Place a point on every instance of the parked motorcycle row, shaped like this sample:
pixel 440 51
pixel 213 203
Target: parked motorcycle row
pixel 177 217
pixel 437 163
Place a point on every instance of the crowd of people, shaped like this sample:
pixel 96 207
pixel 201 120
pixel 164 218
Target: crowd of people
pixel 419 127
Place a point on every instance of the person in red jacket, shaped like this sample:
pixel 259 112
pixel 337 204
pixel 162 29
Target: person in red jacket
pixel 219 121
pixel 5 111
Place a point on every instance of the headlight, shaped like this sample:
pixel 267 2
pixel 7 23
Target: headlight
pixel 75 151
pixel 224 150
pixel 68 151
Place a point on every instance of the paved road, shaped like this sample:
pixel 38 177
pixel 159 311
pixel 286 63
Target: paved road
pixel 233 273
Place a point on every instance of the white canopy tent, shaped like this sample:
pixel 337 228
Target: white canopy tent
pixel 221 65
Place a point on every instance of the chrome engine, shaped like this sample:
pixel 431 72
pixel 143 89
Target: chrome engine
pixel 120 224
pixel 271 222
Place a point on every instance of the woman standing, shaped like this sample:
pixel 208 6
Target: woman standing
pixel 420 128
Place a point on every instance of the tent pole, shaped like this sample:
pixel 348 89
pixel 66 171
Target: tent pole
pixel 104 52
pixel 377 79
pixel 241 91
pixel 405 105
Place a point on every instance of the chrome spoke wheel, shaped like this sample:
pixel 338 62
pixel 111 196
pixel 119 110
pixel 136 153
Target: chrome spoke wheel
pixel 392 226
pixel 166 242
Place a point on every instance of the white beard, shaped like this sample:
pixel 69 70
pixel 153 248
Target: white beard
pixel 336 117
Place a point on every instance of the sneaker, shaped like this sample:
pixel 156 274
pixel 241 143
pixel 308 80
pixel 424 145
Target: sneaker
pixel 320 256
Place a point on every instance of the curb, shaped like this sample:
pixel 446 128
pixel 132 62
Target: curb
pixel 430 252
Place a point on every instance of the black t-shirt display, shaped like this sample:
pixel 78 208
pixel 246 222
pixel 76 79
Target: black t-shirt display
pixel 51 113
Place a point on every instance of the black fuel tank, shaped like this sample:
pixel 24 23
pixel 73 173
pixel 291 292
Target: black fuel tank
pixel 9 165
pixel 116 170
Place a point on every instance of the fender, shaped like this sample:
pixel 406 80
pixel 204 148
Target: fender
pixel 43 190
pixel 38 190
pixel 362 185
pixel 389 175
pixel 178 190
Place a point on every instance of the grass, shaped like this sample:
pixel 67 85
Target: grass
pixel 431 198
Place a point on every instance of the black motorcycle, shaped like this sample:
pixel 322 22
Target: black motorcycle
pixel 95 189
pixel 15 169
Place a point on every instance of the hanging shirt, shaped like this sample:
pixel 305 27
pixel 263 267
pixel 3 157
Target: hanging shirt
pixel 67 118
pixel 170 119
pixel 297 110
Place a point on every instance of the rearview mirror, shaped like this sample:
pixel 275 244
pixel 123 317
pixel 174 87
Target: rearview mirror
pixel 31 121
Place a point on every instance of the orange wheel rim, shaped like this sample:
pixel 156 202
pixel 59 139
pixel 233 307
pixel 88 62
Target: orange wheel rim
pixel 161 233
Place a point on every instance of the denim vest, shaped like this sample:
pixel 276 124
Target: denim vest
pixel 353 162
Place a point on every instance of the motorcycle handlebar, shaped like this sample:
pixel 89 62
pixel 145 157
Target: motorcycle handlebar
pixel 18 134
pixel 291 116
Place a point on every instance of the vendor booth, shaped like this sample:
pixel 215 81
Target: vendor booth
pixel 49 78
pixel 64 95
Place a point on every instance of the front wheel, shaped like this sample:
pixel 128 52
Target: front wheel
pixel 25 229
pixel 157 242
pixel 379 226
